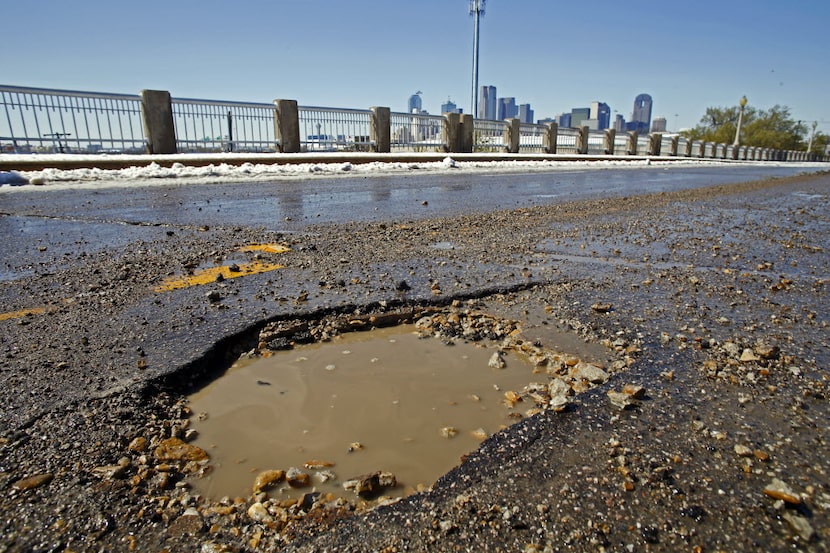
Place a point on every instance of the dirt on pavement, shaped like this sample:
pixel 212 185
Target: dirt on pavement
pixel 712 303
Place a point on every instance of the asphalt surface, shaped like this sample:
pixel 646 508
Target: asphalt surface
pixel 94 352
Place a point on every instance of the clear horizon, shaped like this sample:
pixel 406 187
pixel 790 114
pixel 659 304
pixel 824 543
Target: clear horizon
pixel 373 52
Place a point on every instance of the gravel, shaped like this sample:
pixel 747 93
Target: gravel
pixel 707 431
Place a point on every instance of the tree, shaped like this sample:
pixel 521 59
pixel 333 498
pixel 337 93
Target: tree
pixel 820 143
pixel 772 128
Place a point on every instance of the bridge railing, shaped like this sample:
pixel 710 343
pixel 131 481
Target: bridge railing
pixel 38 120
pixel 44 120
pixel 531 138
pixel 414 132
pixel 215 126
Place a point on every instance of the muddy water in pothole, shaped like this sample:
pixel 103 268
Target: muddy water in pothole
pixel 391 392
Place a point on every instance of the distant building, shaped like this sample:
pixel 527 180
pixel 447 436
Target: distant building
pixel 547 120
pixel 641 116
pixel 601 112
pixel 658 125
pixel 449 107
pixel 565 120
pixel 525 113
pixel 507 108
pixel 578 115
pixel 415 105
pixel 487 103
pixel 619 123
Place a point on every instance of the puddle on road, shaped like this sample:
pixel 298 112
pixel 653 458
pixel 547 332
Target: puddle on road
pixel 392 392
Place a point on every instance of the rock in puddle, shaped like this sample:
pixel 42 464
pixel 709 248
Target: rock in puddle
pixel 267 479
pixel 369 484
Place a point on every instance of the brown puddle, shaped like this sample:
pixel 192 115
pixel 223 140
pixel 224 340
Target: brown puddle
pixel 387 395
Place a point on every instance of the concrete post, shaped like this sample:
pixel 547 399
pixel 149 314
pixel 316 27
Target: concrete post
pixel 466 133
pixel 287 126
pixel 157 116
pixel 582 140
pixel 380 130
pixel 608 141
pixel 452 132
pixel 549 138
pixel 633 139
pixel 512 135
pixel 675 145
pixel 688 151
pixel 654 142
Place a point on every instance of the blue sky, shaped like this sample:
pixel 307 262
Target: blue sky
pixel 553 54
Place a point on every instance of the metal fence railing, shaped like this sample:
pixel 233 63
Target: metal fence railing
pixel 566 141
pixel 214 126
pixel 413 132
pixel 531 138
pixel 43 120
pixel 38 120
pixel 596 143
pixel 621 144
pixel 488 136
pixel 329 129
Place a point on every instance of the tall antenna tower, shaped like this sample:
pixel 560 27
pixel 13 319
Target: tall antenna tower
pixel 476 10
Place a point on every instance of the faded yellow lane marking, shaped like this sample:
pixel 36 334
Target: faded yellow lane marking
pixel 206 276
pixel 267 248
pixel 24 312
pixel 203 276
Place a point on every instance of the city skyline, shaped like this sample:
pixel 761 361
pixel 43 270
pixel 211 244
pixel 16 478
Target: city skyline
pixel 353 55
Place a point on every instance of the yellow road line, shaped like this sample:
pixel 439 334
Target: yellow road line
pixel 206 276
pixel 24 312
pixel 267 248
pixel 200 277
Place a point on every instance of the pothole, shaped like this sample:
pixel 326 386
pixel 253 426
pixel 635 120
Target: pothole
pixel 380 401
pixel 318 412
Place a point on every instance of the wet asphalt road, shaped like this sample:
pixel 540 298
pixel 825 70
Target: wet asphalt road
pixel 673 267
pixel 69 222
pixel 62 247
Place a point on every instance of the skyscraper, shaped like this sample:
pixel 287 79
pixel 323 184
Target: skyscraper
pixel 415 103
pixel 619 123
pixel 579 115
pixel 449 107
pixel 602 113
pixel 641 116
pixel 507 108
pixel 487 103
pixel 525 113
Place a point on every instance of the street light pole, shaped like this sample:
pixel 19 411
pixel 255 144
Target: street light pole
pixel 737 141
pixel 476 10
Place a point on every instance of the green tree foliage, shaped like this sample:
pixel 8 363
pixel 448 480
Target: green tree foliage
pixel 771 128
pixel 820 143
